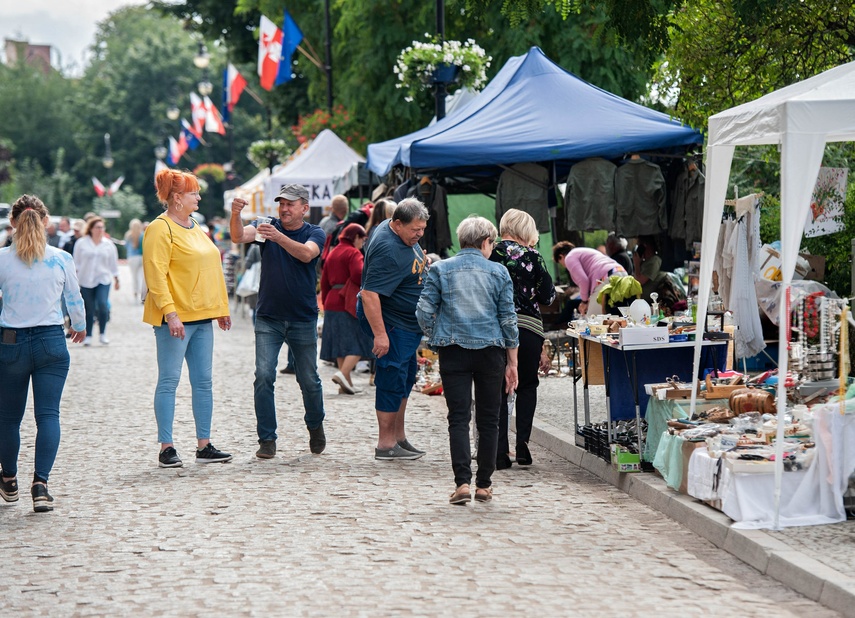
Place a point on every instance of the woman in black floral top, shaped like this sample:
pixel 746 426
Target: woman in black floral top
pixel 532 285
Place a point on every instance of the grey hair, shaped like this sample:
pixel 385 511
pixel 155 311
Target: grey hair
pixel 473 230
pixel 617 240
pixel 409 209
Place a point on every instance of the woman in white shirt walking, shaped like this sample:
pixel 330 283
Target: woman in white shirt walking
pixel 97 265
pixel 34 277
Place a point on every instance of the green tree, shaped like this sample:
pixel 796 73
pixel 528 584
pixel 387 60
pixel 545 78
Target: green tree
pixel 721 55
pixel 142 64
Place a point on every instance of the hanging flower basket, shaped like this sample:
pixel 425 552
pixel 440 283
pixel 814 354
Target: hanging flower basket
pixel 423 65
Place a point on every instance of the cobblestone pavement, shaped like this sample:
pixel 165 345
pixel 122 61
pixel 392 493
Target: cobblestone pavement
pixel 332 534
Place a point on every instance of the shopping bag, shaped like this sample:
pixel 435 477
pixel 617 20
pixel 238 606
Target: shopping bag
pixel 249 282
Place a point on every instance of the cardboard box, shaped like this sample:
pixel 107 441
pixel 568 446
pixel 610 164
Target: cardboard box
pixel 644 335
pixel 623 460
pixel 817 266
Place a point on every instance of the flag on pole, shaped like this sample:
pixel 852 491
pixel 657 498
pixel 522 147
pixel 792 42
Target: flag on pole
pixel 198 111
pixel 176 150
pixel 99 188
pixel 192 138
pixel 269 51
pixel 292 36
pixel 233 85
pixel 114 187
pixel 213 121
pixel 160 165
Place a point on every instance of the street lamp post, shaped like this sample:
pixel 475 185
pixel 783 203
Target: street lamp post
pixel 202 59
pixel 107 161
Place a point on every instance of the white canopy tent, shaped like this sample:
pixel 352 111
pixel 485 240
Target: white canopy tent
pixel 325 169
pixel 801 119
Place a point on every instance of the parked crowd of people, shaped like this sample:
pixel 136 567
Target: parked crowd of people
pixel 382 298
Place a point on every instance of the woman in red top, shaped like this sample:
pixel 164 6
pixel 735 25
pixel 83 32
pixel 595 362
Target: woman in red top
pixel 343 340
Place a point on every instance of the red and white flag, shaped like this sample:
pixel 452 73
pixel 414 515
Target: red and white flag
pixel 213 121
pixel 235 83
pixel 199 113
pixel 176 150
pixel 114 187
pixel 99 188
pixel 269 52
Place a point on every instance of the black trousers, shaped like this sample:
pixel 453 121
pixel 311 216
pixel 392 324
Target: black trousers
pixel 459 369
pixel 528 362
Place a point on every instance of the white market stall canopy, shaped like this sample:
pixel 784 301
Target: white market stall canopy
pixel 801 119
pixel 326 168
pixel 252 191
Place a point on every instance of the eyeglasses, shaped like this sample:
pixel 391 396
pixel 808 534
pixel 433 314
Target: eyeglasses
pixel 97 227
pixel 196 193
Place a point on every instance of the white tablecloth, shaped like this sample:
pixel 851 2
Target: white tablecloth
pixel 810 497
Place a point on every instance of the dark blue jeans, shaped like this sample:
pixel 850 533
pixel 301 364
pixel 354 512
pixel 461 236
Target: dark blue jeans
pixel 459 368
pixel 302 340
pixel 41 355
pixel 96 301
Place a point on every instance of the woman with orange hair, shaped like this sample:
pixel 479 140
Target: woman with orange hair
pixel 186 292
pixel 34 278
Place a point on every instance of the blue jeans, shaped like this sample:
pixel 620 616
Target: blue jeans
pixel 96 301
pixel 302 340
pixel 198 349
pixel 40 354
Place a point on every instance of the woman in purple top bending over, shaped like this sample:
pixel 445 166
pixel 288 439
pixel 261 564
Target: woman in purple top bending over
pixel 590 270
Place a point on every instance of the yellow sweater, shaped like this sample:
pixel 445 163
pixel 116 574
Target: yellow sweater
pixel 183 273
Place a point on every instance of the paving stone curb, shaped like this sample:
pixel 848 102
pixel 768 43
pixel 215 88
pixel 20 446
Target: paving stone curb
pixel 814 580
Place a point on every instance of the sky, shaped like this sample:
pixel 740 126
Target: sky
pixel 68 25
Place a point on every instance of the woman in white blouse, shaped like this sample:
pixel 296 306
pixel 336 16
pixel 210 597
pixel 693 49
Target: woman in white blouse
pixel 97 265
pixel 34 277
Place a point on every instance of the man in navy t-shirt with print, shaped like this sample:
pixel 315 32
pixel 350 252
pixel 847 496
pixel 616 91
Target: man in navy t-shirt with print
pixel 287 311
pixel 392 281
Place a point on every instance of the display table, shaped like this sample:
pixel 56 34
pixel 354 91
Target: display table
pixel 808 497
pixel 629 367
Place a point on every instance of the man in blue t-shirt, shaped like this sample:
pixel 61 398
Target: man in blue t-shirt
pixel 287 311
pixel 392 281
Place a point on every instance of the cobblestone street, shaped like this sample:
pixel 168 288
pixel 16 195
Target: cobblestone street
pixel 337 533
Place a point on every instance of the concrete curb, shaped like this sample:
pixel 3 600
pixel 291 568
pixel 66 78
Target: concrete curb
pixel 794 569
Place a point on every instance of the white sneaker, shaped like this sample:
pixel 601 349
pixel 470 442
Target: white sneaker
pixel 103 339
pixel 87 341
pixel 343 384
pixel 363 367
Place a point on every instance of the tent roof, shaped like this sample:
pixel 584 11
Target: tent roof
pixel 823 104
pixel 533 110
pixel 327 157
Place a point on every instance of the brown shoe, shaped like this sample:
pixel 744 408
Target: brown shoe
pixel 461 495
pixel 484 494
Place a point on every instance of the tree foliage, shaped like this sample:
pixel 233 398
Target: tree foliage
pixel 722 54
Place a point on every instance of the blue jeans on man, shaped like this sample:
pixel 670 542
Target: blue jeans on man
pixel 39 354
pixel 302 340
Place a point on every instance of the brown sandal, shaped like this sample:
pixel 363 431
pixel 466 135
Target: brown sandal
pixel 461 495
pixel 484 494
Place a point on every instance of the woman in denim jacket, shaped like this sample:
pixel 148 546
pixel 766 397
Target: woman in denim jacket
pixel 467 312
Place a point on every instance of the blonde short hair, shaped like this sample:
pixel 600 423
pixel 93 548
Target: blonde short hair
pixel 520 225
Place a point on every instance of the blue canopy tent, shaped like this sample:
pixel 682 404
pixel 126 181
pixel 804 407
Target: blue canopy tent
pixel 534 111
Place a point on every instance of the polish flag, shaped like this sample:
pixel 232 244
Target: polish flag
pixel 234 85
pixel 213 121
pixel 200 114
pixel 269 52
pixel 176 150
pixel 99 188
pixel 115 186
